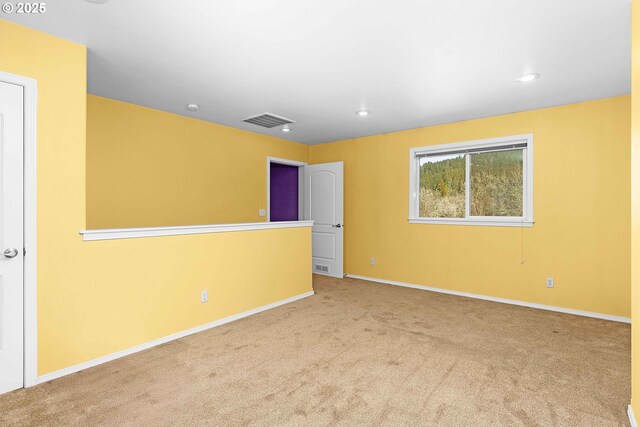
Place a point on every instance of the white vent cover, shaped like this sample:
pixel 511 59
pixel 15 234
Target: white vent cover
pixel 322 268
pixel 268 120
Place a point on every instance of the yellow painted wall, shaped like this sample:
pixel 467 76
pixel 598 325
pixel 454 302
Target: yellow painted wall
pixel 95 298
pixel 582 211
pixel 135 291
pixel 150 168
pixel 635 210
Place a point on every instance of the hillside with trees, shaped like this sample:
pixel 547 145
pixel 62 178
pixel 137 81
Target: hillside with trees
pixel 496 185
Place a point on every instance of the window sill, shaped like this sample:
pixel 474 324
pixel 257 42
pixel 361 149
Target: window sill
pixel 506 223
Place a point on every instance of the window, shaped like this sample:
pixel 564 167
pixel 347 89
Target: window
pixel 486 182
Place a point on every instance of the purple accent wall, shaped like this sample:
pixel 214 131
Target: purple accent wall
pixel 284 192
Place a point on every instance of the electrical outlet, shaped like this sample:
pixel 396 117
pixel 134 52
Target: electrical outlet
pixel 204 296
pixel 550 282
pixel 373 261
pixel 263 212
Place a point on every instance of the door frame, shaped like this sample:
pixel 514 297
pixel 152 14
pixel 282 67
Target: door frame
pixel 30 93
pixel 300 166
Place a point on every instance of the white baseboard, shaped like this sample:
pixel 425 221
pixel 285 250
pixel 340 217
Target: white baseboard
pixel 122 353
pixel 632 417
pixel 496 299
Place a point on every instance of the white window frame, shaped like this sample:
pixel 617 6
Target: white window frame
pixel 526 220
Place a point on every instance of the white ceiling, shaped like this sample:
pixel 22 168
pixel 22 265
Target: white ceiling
pixel 411 62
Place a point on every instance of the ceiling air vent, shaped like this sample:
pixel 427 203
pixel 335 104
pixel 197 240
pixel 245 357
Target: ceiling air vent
pixel 268 120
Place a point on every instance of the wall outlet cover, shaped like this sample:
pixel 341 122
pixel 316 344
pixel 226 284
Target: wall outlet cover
pixel 204 296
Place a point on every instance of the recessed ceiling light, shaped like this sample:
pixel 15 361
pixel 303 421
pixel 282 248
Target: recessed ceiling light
pixel 286 129
pixel 193 107
pixel 363 113
pixel 97 1
pixel 528 77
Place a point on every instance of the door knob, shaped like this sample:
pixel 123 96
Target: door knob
pixel 337 225
pixel 10 253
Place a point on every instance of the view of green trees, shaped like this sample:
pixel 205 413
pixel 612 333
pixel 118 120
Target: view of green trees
pixel 442 186
pixel 496 185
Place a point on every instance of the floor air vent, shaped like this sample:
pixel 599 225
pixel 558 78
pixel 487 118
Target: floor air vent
pixel 268 120
pixel 322 268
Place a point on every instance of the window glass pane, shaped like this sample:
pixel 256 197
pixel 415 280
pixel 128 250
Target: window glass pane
pixel 496 183
pixel 442 186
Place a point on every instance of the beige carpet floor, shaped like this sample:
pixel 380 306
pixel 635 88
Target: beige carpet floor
pixel 357 353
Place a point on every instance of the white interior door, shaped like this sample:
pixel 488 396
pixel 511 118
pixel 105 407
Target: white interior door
pixel 324 204
pixel 11 238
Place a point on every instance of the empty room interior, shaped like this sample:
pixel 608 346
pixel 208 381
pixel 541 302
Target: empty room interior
pixel 336 213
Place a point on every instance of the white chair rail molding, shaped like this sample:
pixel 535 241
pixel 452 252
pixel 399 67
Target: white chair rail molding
pixel 133 233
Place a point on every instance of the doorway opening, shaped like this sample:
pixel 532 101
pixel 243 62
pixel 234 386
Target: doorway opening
pixel 285 189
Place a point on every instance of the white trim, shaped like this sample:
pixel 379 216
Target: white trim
pixel 454 221
pixel 414 182
pixel 527 171
pixel 286 161
pixel 497 299
pixel 475 144
pixel 300 166
pixel 122 353
pixel 467 186
pixel 134 233
pixel 632 417
pixel 300 193
pixel 30 93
